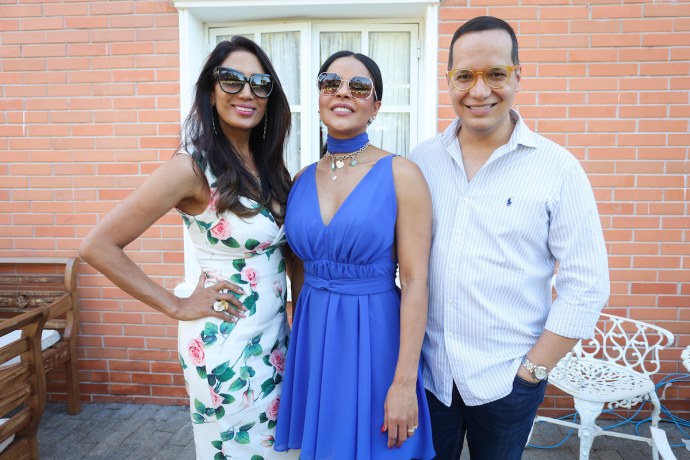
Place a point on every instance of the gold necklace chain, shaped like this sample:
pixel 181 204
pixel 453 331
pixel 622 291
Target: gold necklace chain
pixel 338 160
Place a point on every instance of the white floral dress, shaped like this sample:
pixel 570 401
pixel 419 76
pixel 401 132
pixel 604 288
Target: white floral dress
pixel 233 372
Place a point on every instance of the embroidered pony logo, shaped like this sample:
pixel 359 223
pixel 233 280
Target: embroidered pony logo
pixel 509 202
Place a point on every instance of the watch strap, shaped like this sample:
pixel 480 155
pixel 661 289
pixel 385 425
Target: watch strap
pixel 531 367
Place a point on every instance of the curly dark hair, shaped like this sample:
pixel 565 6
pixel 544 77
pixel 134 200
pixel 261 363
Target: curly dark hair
pixel 233 179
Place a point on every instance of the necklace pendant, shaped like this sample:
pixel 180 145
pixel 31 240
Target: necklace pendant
pixel 353 162
pixel 334 177
pixel 339 164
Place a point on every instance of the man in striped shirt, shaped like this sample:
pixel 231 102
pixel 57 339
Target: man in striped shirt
pixel 508 204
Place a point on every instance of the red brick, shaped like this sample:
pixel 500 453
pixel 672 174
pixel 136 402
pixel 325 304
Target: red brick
pixel 616 11
pixel 154 7
pixel 86 22
pixel 112 36
pixel 86 49
pixel 112 62
pixel 677 39
pixel 643 54
pixel 617 40
pixel 111 8
pixel 68 63
pixel 42 24
pixel 122 389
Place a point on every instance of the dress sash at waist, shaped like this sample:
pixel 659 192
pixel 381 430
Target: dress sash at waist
pixel 352 286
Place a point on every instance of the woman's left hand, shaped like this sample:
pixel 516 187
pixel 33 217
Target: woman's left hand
pixel 400 413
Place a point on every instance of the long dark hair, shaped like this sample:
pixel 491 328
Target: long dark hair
pixel 233 180
pixel 373 70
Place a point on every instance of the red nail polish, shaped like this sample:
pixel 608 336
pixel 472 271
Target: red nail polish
pixel 383 428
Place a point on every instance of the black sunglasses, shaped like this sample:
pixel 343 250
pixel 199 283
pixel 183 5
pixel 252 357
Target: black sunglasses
pixel 232 81
pixel 329 83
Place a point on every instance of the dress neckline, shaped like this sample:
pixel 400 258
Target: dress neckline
pixel 347 198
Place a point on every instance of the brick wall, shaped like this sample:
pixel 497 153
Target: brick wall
pixel 90 105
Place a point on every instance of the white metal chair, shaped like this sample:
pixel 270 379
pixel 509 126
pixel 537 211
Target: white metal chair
pixel 613 368
pixel 685 356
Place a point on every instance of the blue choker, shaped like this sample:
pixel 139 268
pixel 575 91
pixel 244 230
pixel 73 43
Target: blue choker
pixel 353 144
pixel 345 151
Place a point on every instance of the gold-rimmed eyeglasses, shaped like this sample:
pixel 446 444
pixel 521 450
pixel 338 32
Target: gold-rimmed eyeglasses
pixel 495 77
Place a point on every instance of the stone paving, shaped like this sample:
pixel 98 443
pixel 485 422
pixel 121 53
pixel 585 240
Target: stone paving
pixel 138 431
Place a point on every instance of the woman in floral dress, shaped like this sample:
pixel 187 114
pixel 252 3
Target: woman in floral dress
pixel 230 185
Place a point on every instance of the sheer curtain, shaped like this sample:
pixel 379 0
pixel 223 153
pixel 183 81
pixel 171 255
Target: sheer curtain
pixel 283 50
pixel 331 42
pixel 391 129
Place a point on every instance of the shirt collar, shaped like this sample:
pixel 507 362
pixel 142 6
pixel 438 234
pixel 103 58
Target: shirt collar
pixel 522 135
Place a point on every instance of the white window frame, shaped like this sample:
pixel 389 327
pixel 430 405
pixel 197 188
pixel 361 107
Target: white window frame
pixel 195 17
pixel 308 106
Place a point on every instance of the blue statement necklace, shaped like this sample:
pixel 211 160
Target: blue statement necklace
pixel 345 151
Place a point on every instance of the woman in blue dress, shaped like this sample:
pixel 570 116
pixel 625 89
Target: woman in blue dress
pixel 352 384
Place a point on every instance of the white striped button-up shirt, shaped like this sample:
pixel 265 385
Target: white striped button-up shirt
pixel 496 240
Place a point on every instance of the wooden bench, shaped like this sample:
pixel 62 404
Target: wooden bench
pixel 22 385
pixel 33 282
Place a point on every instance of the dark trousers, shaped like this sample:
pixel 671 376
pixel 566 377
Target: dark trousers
pixel 495 431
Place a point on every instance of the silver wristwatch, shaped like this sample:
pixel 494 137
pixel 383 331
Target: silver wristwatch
pixel 539 373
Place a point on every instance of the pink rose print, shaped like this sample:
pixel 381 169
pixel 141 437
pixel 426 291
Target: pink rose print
pixel 213 200
pixel 250 275
pixel 272 409
pixel 262 247
pixel 248 398
pixel 216 399
pixel 267 441
pixel 196 352
pixel 221 230
pixel 216 277
pixel 277 288
pixel 277 358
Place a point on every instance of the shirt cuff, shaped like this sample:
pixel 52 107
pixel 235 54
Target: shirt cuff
pixel 573 321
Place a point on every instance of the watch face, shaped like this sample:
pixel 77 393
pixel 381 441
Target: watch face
pixel 540 372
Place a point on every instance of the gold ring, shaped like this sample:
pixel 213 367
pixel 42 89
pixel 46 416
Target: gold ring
pixel 220 305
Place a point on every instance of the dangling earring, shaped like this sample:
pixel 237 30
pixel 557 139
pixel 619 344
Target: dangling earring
pixel 213 122
pixel 265 125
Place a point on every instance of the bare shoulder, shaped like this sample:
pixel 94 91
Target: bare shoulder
pixel 182 170
pixel 410 186
pixel 182 161
pixel 406 172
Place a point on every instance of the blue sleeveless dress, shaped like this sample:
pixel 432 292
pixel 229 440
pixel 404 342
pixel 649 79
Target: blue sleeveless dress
pixel 346 328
